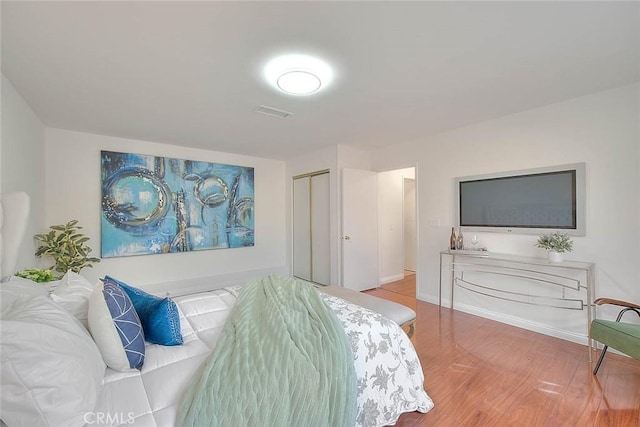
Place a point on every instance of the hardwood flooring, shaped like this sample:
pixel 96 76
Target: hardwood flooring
pixel 484 373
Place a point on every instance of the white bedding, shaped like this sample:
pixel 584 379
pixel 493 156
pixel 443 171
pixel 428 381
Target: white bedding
pixel 389 374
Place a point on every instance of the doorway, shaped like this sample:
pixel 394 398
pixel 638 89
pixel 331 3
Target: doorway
pixel 397 226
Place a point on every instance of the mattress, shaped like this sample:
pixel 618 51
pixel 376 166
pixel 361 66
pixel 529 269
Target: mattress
pixel 151 396
pixel 389 373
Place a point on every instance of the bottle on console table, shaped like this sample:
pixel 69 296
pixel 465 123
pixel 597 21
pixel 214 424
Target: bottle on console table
pixel 452 240
pixel 460 241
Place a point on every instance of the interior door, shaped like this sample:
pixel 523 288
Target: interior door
pixel 359 229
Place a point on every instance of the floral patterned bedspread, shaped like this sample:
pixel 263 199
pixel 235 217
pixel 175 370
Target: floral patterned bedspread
pixel 390 378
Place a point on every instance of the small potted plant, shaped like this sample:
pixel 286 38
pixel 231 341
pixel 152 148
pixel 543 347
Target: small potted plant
pixel 37 275
pixel 555 244
pixel 67 246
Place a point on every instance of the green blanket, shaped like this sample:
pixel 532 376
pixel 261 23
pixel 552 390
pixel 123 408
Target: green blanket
pixel 283 359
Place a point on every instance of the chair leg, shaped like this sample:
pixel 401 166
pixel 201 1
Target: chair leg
pixel 412 328
pixel 409 327
pixel 604 350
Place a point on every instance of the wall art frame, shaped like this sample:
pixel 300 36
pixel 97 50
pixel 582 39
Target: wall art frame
pixel 155 205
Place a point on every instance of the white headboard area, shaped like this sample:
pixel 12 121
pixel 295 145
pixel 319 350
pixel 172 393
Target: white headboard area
pixel 203 284
pixel 14 216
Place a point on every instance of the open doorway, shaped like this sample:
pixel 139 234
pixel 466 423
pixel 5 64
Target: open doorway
pixel 397 229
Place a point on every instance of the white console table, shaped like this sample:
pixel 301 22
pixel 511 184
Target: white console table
pixel 536 269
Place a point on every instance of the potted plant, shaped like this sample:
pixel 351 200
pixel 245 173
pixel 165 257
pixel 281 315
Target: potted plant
pixel 67 246
pixel 37 275
pixel 555 244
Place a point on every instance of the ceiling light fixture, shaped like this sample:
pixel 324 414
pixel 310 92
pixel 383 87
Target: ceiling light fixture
pixel 299 82
pixel 298 74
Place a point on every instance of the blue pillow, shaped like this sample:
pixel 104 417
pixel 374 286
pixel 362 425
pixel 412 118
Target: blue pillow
pixel 159 316
pixel 113 316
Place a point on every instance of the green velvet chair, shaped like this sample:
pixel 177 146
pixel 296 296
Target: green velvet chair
pixel 624 337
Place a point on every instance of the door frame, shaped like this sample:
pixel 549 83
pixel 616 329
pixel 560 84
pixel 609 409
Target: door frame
pixel 416 169
pixel 415 213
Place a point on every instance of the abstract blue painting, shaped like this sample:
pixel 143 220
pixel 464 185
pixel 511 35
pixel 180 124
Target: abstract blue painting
pixel 155 205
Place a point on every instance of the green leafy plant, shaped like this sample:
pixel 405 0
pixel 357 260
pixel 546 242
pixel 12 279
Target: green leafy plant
pixel 36 274
pixel 67 246
pixel 555 242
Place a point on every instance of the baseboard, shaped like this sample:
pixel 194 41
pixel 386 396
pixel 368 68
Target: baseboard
pixel 431 299
pixel 510 320
pixel 389 279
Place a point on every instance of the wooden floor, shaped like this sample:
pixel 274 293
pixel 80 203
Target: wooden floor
pixel 484 373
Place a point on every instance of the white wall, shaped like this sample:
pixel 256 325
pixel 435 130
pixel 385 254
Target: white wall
pixel 23 164
pixel 600 129
pixel 352 158
pixel 73 192
pixel 390 224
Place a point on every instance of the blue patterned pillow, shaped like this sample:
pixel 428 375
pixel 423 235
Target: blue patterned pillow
pixel 116 328
pixel 159 316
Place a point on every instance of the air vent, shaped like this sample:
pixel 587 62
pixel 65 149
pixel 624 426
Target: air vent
pixel 273 112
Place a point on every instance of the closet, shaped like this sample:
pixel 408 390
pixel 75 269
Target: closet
pixel 311 222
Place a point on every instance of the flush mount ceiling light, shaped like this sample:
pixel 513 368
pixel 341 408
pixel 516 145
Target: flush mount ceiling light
pixel 299 82
pixel 298 74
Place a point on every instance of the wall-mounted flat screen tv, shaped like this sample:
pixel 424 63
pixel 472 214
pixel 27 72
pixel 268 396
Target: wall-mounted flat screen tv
pixel 534 201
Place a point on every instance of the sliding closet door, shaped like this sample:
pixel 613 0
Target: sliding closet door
pixel 320 261
pixel 311 252
pixel 302 228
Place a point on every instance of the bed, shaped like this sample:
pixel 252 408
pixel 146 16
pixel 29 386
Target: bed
pixel 389 374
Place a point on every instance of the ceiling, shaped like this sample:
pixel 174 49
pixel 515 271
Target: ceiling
pixel 190 73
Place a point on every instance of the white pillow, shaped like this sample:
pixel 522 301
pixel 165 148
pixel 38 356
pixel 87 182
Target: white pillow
pixel 72 293
pixel 51 370
pixel 15 287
